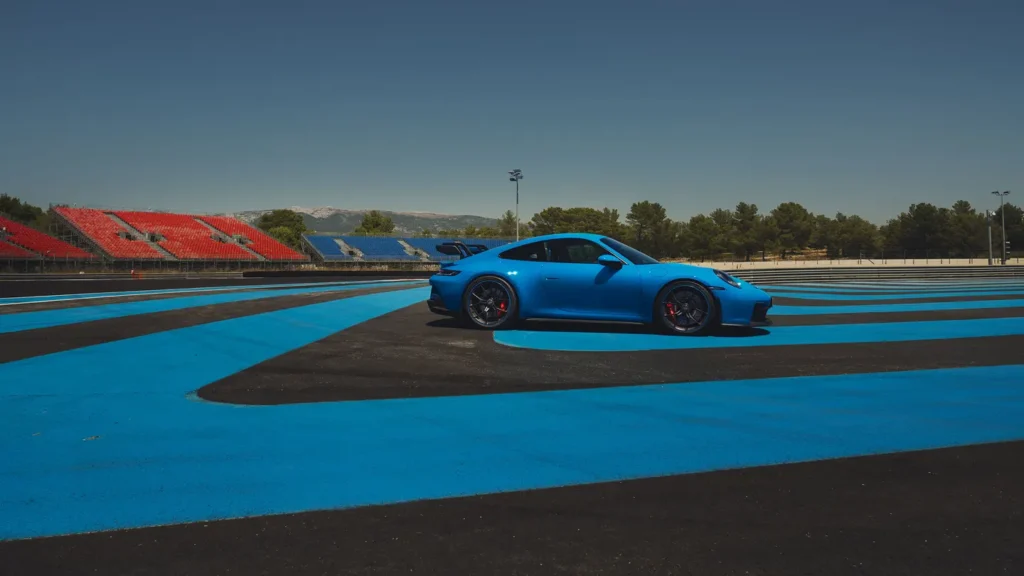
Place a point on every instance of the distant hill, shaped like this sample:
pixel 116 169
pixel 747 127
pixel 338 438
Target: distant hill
pixel 338 221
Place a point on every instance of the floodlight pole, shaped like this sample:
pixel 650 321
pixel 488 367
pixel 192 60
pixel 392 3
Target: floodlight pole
pixel 1002 214
pixel 516 175
pixel 988 218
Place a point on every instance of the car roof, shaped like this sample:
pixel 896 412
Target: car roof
pixel 584 235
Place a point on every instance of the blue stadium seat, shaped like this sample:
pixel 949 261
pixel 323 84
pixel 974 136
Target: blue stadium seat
pixel 328 247
pixel 388 248
pixel 374 248
pixel 429 245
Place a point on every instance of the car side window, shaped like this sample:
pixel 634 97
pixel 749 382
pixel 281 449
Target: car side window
pixel 533 252
pixel 575 251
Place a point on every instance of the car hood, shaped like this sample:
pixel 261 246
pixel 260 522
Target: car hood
pixel 704 274
pixel 679 268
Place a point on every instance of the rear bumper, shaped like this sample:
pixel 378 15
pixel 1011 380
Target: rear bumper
pixel 436 304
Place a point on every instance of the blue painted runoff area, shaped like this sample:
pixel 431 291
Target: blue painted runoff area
pixel 775 336
pixel 124 444
pixel 782 310
pixel 943 283
pixel 836 289
pixel 100 295
pixel 909 295
pixel 48 318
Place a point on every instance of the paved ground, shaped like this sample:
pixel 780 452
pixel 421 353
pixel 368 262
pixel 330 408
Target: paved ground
pixel 349 431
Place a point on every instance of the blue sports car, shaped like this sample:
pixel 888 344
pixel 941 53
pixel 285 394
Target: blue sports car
pixel 590 277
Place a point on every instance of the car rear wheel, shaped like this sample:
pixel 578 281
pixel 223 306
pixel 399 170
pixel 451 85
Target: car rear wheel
pixel 684 308
pixel 490 302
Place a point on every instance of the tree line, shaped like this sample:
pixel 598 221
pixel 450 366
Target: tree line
pixel 24 213
pixel 744 232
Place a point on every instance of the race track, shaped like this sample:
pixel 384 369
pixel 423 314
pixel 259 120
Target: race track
pixel 341 428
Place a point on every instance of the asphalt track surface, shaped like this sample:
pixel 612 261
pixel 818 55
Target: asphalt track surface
pixel 335 428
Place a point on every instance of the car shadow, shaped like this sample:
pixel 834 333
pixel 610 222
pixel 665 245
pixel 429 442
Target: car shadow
pixel 602 327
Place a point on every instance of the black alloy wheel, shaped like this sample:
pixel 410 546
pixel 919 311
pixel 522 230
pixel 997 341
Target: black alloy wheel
pixel 684 308
pixel 490 302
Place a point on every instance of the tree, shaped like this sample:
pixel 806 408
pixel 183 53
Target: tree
pixel 919 229
pixel 725 240
pixel 647 224
pixel 701 237
pixel 285 235
pixel 766 234
pixel 286 218
pixel 24 213
pixel 507 224
pixel 795 225
pixel 966 232
pixel 856 236
pixel 826 234
pixel 1014 229
pixel 557 220
pixel 745 218
pixel 284 225
pixel 375 223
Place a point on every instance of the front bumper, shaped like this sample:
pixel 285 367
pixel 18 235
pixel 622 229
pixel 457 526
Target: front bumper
pixel 760 315
pixel 747 313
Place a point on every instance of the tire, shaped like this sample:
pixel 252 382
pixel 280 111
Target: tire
pixel 684 298
pixel 482 303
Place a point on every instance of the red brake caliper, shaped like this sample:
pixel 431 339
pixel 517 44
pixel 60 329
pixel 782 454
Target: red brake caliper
pixel 671 309
pixel 501 307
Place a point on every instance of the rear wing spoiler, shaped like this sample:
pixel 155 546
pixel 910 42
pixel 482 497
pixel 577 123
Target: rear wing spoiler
pixel 460 249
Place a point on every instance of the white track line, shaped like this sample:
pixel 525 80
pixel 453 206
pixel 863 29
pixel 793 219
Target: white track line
pixel 20 300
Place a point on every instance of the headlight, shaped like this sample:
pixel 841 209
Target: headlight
pixel 448 272
pixel 728 279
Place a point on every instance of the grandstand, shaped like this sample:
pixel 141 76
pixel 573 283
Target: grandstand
pixel 147 239
pixel 327 248
pixel 21 242
pixel 120 235
pixel 252 238
pixel 334 248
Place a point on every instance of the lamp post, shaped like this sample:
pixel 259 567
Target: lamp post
pixel 515 176
pixel 1002 214
pixel 988 219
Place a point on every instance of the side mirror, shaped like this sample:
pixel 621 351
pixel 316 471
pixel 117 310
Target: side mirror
pixel 609 260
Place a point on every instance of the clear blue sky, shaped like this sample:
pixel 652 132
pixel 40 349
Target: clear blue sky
pixel 860 106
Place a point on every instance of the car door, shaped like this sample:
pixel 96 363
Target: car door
pixel 579 286
pixel 523 266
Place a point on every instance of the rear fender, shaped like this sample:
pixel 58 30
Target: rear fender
pixel 513 283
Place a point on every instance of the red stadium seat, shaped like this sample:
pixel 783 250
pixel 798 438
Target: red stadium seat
pixel 12 251
pixel 184 237
pixel 261 243
pixel 104 232
pixel 35 241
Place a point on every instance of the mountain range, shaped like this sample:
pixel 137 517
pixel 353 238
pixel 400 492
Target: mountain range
pixel 326 219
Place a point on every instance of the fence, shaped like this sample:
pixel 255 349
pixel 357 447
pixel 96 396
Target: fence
pixel 872 273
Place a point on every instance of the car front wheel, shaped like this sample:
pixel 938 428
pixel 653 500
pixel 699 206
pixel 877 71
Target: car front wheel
pixel 684 308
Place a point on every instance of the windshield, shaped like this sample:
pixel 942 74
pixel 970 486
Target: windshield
pixel 632 254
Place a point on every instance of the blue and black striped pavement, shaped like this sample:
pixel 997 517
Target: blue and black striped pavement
pixel 340 428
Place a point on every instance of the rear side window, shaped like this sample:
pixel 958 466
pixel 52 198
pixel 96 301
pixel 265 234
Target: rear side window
pixel 575 251
pixel 533 252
